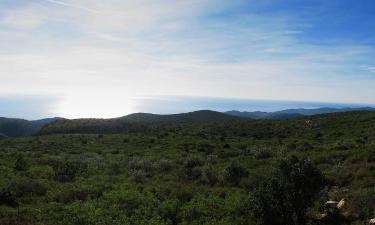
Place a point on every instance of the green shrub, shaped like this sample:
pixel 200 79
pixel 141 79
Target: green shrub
pixel 7 198
pixel 234 173
pixel 67 171
pixel 163 165
pixel 138 176
pixel 80 193
pixel 262 152
pixel 194 161
pixel 284 197
pixel 41 171
pixel 20 164
pixel 209 176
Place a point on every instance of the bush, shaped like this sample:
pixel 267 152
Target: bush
pixel 66 172
pixel 194 162
pixel 25 187
pixel 43 172
pixel 7 198
pixel 209 176
pixel 284 197
pixel 146 165
pixel 20 164
pixel 163 165
pixel 262 153
pixel 75 193
pixel 234 173
pixel 137 176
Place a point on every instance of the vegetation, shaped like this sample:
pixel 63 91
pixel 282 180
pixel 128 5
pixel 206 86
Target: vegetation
pixel 235 172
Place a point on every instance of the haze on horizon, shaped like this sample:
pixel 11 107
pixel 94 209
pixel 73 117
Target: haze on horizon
pixel 91 58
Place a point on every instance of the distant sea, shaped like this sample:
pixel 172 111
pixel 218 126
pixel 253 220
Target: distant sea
pixel 181 104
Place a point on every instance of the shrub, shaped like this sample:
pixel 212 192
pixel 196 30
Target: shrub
pixel 163 165
pixel 20 164
pixel 7 198
pixel 234 173
pixel 262 153
pixel 137 176
pixel 209 176
pixel 40 171
pixel 25 188
pixel 74 193
pixel 190 174
pixel 362 203
pixel 66 172
pixel 145 165
pixel 284 197
pixel 194 162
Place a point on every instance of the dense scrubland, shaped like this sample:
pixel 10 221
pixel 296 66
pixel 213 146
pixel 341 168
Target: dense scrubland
pixel 239 172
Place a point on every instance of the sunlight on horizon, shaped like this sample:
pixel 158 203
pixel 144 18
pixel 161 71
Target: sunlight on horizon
pixel 95 107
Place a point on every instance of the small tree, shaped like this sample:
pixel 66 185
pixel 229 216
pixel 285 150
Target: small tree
pixel 302 182
pixel 20 164
pixel 285 197
pixel 234 173
pixel 7 198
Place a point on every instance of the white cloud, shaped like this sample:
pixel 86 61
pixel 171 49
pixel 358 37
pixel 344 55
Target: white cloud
pixel 27 18
pixel 89 51
pixel 72 5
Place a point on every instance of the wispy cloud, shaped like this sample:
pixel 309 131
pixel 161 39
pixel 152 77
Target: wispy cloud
pixel 116 49
pixel 75 6
pixel 26 18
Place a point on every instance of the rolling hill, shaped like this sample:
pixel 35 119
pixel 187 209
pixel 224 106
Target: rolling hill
pixel 18 127
pixel 135 122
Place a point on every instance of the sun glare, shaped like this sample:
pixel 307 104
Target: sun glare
pixel 95 107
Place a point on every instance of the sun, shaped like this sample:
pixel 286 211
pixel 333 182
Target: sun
pixel 94 106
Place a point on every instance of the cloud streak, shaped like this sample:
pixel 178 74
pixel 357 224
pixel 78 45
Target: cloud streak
pixel 165 47
pixel 75 6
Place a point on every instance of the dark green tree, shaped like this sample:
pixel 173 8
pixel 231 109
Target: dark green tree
pixel 20 164
pixel 234 173
pixel 285 197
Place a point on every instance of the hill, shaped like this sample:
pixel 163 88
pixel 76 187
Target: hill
pixel 18 127
pixel 135 122
pixel 293 113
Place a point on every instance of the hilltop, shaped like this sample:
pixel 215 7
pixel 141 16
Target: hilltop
pixel 135 122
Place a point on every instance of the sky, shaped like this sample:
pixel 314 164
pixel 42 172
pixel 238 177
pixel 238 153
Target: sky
pixel 93 58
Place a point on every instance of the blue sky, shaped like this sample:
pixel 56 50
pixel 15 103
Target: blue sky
pixel 94 58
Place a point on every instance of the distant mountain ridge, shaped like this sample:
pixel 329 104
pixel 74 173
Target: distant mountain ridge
pixel 293 113
pixel 140 121
pixel 135 122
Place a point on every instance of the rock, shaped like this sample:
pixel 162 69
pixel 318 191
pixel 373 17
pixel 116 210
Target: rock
pixel 331 204
pixel 341 204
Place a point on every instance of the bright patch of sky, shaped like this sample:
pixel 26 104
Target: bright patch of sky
pixel 96 57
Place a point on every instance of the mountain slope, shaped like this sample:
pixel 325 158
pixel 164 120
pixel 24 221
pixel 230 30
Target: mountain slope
pixel 10 127
pixel 135 122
